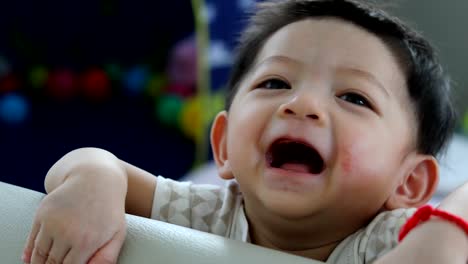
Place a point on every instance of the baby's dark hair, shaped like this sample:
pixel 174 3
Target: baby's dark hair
pixel 429 87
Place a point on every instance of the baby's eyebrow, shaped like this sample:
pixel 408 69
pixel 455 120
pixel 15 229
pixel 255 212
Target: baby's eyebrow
pixel 366 75
pixel 273 60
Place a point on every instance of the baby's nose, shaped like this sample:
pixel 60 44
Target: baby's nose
pixel 289 111
pixel 305 107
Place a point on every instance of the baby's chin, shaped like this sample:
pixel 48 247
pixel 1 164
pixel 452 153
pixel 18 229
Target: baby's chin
pixel 292 206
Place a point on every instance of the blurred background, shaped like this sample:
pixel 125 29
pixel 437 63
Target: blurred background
pixel 127 76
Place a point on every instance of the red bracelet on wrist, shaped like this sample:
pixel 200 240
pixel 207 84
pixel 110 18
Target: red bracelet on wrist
pixel 424 213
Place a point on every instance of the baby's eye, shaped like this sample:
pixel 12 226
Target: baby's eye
pixel 357 99
pixel 274 84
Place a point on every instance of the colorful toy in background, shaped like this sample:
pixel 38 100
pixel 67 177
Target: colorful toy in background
pixel 14 108
pixel 182 68
pixel 177 103
pixel 183 96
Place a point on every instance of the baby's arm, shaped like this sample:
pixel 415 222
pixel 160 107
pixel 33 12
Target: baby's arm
pixel 436 241
pixel 83 216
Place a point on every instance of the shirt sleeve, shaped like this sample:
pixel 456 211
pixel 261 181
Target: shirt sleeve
pixel 381 235
pixel 204 207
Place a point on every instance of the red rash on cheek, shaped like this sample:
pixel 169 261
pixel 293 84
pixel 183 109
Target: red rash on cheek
pixel 347 161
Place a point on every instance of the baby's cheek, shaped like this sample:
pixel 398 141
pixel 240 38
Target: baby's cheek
pixel 358 161
pixel 346 162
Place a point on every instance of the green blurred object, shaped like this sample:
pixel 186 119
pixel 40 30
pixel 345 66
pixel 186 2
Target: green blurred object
pixel 217 103
pixel 168 109
pixel 38 77
pixel 156 84
pixel 114 72
pixel 203 77
pixel 465 123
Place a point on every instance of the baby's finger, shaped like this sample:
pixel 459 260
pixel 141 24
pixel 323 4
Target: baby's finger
pixel 57 252
pixel 77 256
pixel 42 245
pixel 28 249
pixel 109 253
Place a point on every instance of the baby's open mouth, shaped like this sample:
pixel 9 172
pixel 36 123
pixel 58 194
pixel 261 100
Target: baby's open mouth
pixel 294 156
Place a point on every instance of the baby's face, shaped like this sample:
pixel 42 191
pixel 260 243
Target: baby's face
pixel 321 124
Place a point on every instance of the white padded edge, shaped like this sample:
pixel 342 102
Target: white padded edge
pixel 147 241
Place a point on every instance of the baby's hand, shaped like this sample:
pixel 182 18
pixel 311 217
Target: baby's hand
pixel 78 222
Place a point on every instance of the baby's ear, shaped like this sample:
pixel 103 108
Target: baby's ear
pixel 218 139
pixel 418 183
